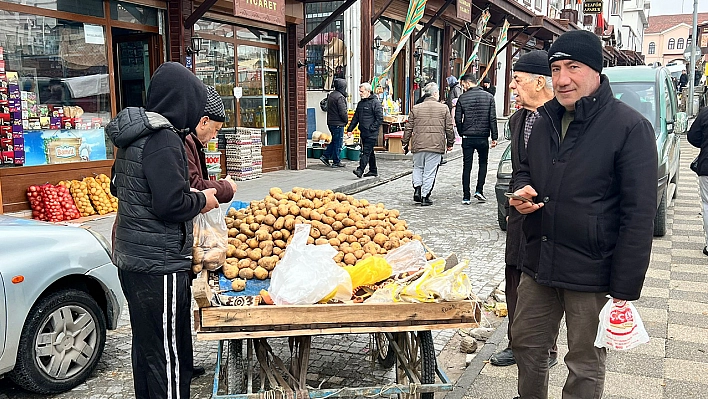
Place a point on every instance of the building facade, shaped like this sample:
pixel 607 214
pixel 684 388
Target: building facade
pixel 666 37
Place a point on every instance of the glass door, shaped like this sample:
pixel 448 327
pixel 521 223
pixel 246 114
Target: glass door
pixel 135 60
pixel 216 68
pixel 259 107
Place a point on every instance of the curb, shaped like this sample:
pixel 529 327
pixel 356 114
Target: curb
pixel 363 185
pixel 466 380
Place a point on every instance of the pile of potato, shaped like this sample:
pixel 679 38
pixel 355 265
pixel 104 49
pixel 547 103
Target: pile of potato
pixel 357 229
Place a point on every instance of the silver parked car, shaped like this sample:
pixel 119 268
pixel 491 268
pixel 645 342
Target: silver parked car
pixel 60 292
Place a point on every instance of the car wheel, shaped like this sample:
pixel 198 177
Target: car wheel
pixel 61 342
pixel 501 218
pixel 660 218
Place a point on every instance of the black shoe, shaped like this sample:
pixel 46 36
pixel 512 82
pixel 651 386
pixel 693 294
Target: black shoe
pixel 480 197
pixel 552 361
pixel 198 371
pixel 705 251
pixel 417 196
pixel 426 201
pixel 324 160
pixel 338 165
pixel 370 174
pixel 503 358
pixel 357 172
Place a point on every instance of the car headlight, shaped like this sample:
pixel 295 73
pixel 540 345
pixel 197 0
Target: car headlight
pixel 104 243
pixel 505 167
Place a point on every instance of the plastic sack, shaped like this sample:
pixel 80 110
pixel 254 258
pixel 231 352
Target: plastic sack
pixel 210 239
pixel 620 327
pixel 437 284
pixel 308 273
pixel 369 271
pixel 407 258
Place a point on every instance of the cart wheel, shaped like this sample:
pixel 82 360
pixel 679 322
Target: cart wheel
pixel 385 354
pixel 235 367
pixel 419 352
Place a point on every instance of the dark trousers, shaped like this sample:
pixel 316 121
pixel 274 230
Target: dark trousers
pixel 334 149
pixel 539 311
pixel 368 142
pixel 159 307
pixel 469 145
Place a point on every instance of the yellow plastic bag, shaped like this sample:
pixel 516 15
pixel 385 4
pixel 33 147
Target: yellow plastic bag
pixel 437 284
pixel 369 271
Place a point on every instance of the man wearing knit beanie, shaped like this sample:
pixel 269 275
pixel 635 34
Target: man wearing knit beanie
pixel 589 183
pixel 531 83
pixel 196 142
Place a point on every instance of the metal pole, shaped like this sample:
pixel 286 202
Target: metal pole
pixel 692 71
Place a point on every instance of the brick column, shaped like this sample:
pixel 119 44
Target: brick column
pixel 296 99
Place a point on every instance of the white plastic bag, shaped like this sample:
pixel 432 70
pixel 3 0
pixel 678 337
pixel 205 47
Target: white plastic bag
pixel 308 273
pixel 620 327
pixel 407 258
pixel 210 239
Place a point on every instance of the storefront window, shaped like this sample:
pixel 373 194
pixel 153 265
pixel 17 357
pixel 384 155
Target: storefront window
pixel 205 27
pixel 326 52
pixel 260 103
pixel 256 35
pixel 430 59
pixel 92 8
pixel 459 51
pixel 389 30
pixel 390 33
pixel 56 76
pixel 126 12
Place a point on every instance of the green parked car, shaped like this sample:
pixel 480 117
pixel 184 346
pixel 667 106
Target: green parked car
pixel 651 92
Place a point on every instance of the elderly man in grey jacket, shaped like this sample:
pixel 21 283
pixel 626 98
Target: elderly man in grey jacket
pixel 428 133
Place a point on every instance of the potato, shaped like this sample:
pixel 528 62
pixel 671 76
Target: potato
pixel 240 253
pixel 214 258
pixel 197 255
pixel 242 237
pixel 252 243
pixel 321 241
pixel 380 239
pixel 359 253
pixel 231 212
pixel 277 235
pixel 246 229
pixel 250 219
pixel 269 220
pixel 334 242
pixel 246 273
pixel 244 264
pixel 260 218
pixel 262 235
pixel 338 257
pixel 266 248
pixel 332 234
pixel 197 268
pixel 260 273
pixel 230 270
pixel 238 284
pixel 329 220
pixel 255 254
pixel 280 244
pixel 350 259
pixel 233 232
pixel 286 234
pixel 314 233
pixel 310 240
pixel 274 191
pixel 283 210
pixel 305 212
pixel 338 225
pixel 230 251
pixel 340 217
pixel 289 224
pixel 348 230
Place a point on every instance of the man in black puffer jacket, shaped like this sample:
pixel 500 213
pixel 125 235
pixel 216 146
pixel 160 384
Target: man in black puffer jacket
pixel 369 117
pixel 589 175
pixel 476 120
pixel 337 118
pixel 153 229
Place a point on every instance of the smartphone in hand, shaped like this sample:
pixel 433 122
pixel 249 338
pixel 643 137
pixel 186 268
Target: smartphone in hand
pixel 517 197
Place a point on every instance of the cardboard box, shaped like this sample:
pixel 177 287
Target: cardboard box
pixel 67 123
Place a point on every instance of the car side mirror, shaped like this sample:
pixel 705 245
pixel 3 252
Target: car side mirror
pixel 507 131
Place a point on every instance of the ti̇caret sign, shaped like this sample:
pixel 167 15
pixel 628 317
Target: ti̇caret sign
pixel 270 11
pixel 592 7
pixel 464 10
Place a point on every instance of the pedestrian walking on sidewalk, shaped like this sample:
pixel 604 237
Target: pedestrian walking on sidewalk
pixel 698 137
pixel 531 83
pixel 196 141
pixel 337 118
pixel 153 228
pixel 590 176
pixel 369 117
pixel 476 121
pixel 428 133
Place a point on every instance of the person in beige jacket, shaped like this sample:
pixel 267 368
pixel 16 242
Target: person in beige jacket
pixel 428 133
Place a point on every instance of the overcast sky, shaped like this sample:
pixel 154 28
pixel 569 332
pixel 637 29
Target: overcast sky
pixel 667 7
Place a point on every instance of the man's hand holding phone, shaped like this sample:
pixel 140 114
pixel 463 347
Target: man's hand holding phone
pixel 522 200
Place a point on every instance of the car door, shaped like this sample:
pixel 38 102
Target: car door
pixel 672 140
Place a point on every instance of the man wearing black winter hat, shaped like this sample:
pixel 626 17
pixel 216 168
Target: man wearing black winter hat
pixel 590 175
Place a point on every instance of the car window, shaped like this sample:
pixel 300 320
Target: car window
pixel 670 100
pixel 638 95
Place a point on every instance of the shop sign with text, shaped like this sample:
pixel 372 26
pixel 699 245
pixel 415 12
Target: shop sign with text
pixel 592 7
pixel 464 10
pixel 269 11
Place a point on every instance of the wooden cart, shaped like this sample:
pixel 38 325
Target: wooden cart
pixel 401 333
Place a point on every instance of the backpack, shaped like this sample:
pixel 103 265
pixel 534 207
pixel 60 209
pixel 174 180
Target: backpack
pixel 323 103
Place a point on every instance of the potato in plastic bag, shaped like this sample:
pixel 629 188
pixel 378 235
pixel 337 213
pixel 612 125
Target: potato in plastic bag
pixel 211 235
pixel 409 257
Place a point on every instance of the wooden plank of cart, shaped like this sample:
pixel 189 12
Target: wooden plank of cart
pixel 401 333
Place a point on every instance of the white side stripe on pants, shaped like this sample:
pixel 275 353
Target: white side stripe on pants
pixel 174 333
pixel 165 341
